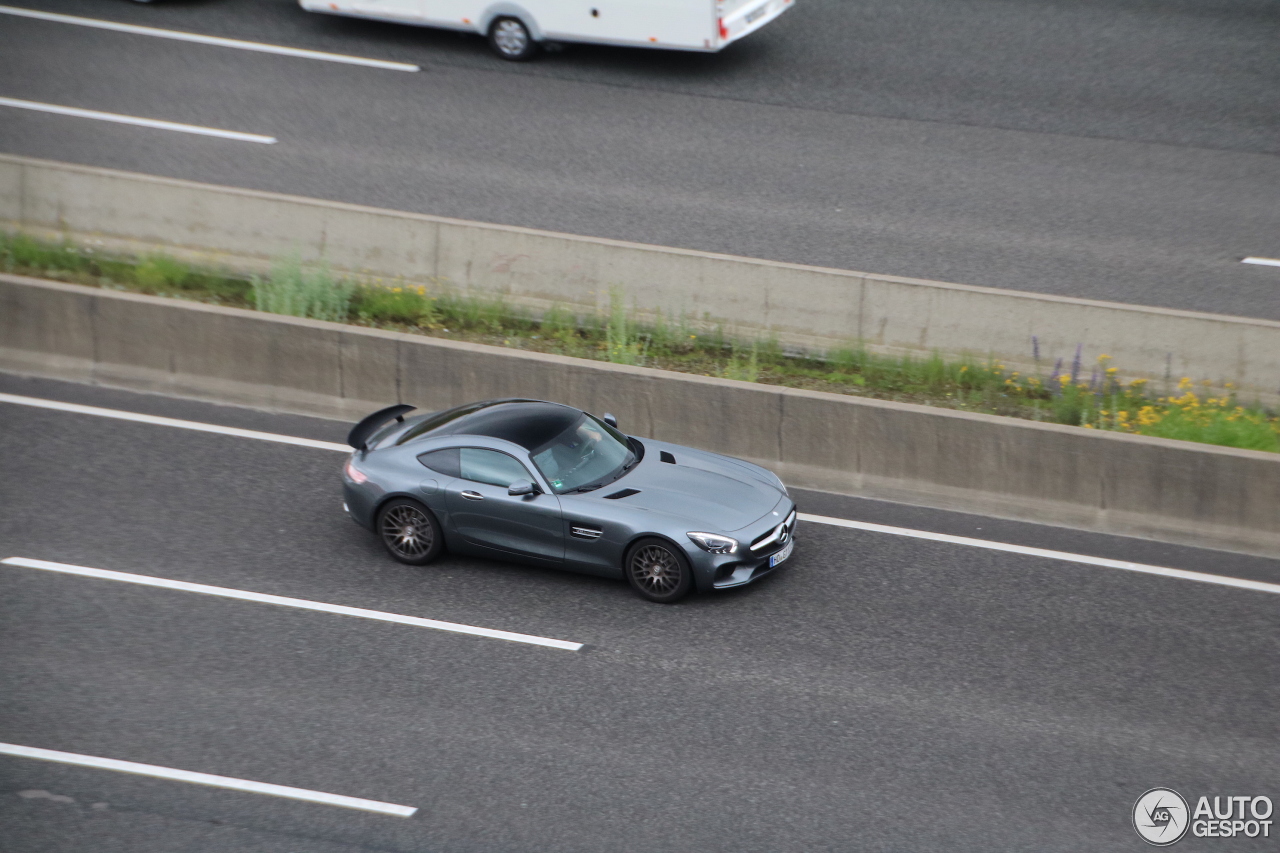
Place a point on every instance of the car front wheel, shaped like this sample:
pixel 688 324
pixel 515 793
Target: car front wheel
pixel 658 571
pixel 410 532
pixel 510 39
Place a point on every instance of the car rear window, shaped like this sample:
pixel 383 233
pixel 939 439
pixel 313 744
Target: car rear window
pixel 444 462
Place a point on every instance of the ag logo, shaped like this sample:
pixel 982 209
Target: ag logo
pixel 1160 816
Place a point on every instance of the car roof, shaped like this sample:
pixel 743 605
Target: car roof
pixel 527 423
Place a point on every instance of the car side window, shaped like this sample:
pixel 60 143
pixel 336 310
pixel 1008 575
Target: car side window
pixel 492 467
pixel 444 462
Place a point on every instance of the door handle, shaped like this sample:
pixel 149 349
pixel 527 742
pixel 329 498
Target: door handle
pixel 472 496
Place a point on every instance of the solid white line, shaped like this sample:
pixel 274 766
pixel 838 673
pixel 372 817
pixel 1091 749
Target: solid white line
pixel 206 779
pixel 213 40
pixel 1201 577
pixel 817 519
pixel 1266 262
pixel 41 403
pixel 76 112
pixel 301 604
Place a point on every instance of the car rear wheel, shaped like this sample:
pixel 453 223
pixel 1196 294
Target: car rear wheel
pixel 658 571
pixel 510 39
pixel 410 532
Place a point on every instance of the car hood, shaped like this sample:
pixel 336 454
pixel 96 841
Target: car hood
pixel 713 492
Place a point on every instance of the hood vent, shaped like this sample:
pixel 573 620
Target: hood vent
pixel 666 457
pixel 625 493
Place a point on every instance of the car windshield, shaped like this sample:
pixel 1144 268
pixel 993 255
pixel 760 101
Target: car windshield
pixel 585 456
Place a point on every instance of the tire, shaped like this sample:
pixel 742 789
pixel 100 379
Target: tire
pixel 511 39
pixel 409 531
pixel 657 571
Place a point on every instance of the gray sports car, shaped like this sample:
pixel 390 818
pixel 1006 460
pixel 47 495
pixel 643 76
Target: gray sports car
pixel 551 485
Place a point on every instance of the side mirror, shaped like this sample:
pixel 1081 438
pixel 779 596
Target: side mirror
pixel 610 420
pixel 523 487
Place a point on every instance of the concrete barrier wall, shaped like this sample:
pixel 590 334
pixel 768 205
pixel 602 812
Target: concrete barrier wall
pixel 1133 485
pixel 810 307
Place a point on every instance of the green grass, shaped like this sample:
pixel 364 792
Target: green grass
pixel 156 274
pixel 672 343
pixel 1218 427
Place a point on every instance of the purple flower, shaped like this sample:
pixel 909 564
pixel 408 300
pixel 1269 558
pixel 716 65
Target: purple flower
pixel 1075 365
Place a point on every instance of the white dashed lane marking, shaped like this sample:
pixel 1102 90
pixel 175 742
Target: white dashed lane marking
pixel 215 41
pixel 154 124
pixel 203 779
pixel 281 601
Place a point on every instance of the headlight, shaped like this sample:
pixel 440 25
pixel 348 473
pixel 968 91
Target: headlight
pixel 714 542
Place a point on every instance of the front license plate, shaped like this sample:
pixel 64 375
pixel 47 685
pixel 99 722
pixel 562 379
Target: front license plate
pixel 782 555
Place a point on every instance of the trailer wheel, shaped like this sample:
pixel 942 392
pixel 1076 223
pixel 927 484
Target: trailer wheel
pixel 510 39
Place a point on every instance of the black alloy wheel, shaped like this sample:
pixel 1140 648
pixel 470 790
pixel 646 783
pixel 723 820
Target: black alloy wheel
pixel 410 532
pixel 658 571
pixel 510 39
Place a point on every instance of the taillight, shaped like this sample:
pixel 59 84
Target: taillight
pixel 356 475
pixel 724 31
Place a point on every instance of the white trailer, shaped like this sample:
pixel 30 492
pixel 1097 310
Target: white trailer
pixel 515 28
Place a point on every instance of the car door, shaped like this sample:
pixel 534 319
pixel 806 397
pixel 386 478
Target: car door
pixel 484 514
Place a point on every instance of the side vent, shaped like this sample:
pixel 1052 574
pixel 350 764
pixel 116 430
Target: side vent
pixel 666 457
pixel 580 532
pixel 625 493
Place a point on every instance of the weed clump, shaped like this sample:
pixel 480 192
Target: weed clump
pixel 299 292
pixel 404 304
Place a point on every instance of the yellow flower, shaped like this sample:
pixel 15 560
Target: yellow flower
pixel 1104 357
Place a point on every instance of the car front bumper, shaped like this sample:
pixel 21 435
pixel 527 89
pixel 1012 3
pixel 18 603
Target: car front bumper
pixel 744 566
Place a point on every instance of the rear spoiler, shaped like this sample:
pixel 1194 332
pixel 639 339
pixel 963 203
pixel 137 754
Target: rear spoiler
pixel 360 432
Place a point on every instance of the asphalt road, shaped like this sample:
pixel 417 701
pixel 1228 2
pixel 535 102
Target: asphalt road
pixel 1124 151
pixel 882 693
